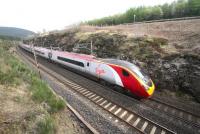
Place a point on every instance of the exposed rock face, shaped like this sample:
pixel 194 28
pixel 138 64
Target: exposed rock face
pixel 177 73
pixel 171 66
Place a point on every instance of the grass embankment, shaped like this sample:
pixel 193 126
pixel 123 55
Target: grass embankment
pixel 13 74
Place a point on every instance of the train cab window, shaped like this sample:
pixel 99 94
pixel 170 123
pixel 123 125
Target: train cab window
pixel 125 73
pixel 88 64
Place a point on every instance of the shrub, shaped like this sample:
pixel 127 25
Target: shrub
pixel 42 93
pixel 46 126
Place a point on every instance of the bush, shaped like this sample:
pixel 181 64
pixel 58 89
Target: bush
pixel 46 126
pixel 42 93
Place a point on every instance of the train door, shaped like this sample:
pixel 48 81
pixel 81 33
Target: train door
pixel 50 55
pixel 87 67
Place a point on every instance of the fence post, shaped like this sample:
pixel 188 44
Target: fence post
pixel 38 68
pixel 91 47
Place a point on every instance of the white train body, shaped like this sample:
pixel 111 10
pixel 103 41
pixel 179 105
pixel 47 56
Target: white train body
pixel 81 62
pixel 116 72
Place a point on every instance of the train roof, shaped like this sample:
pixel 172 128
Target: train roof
pixel 130 66
pixel 127 64
pixel 77 55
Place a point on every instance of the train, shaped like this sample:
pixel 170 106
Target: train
pixel 113 71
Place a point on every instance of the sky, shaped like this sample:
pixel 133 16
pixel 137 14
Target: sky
pixel 37 15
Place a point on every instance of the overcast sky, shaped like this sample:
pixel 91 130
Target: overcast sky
pixel 37 15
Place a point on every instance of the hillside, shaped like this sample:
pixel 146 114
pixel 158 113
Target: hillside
pixel 15 32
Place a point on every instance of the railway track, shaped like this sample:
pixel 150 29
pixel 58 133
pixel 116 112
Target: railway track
pixel 176 112
pixel 119 113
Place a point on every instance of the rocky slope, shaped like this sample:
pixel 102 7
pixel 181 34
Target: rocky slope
pixel 172 66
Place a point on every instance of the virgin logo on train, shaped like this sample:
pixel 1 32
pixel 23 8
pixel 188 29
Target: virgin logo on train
pixel 100 71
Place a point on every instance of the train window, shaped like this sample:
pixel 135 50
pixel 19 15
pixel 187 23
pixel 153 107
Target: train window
pixel 39 52
pixel 71 61
pixel 88 64
pixel 125 73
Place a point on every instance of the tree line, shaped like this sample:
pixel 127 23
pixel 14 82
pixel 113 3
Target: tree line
pixel 4 37
pixel 177 9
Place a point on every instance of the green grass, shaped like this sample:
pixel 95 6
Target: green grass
pixel 42 93
pixel 13 72
pixel 46 126
pixel 19 73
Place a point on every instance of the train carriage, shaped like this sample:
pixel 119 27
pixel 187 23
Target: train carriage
pixel 113 71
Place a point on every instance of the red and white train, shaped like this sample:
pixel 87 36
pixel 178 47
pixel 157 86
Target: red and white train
pixel 116 72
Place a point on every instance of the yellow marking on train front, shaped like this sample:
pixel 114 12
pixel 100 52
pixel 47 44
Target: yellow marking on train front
pixel 151 89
